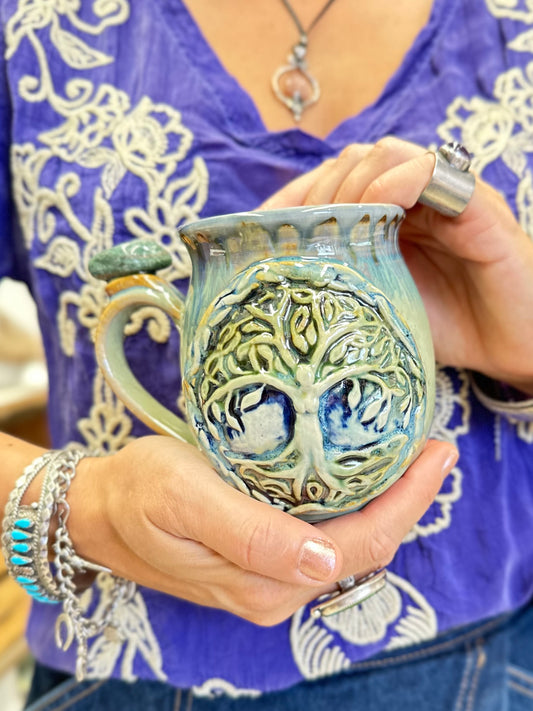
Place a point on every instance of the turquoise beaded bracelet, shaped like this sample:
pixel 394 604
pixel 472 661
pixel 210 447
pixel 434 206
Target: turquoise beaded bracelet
pixel 24 546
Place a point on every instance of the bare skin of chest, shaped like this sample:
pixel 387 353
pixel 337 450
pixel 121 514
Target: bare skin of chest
pixel 353 50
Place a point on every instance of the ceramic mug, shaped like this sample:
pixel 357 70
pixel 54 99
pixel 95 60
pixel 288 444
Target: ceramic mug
pixel 307 360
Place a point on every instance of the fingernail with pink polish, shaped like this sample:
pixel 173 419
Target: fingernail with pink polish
pixel 317 559
pixel 450 461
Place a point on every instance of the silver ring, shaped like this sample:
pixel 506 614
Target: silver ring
pixel 350 592
pixel 452 184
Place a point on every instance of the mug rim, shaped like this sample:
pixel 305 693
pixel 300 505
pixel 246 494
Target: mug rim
pixel 277 216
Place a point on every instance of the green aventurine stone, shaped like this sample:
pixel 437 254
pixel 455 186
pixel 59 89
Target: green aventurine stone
pixel 136 257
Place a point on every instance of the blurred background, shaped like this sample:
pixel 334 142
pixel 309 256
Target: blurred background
pixel 23 394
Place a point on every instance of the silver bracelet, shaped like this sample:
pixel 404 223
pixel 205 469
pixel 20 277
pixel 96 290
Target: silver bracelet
pixel 25 538
pixel 24 544
pixel 72 623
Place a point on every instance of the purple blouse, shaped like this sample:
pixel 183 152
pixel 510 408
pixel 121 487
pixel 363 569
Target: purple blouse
pixel 125 124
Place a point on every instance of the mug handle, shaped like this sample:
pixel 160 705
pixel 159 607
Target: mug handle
pixel 129 293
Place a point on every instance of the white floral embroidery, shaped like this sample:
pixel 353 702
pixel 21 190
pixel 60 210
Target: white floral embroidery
pixel 27 164
pixel 525 431
pixel 99 130
pixel 450 421
pixel 99 133
pixel 484 126
pixel 80 137
pixel 171 208
pixel 32 16
pixel 368 622
pixel 314 650
pixel 213 688
pixel 133 636
pixel 108 427
pixel 513 9
pixel 502 129
pixel 398 612
pixel 418 624
pixel 524 201
pixel 151 141
pixel 523 42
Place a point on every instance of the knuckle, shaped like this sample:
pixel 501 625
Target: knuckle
pixel 164 509
pixel 350 153
pixel 500 199
pixel 314 196
pixel 255 536
pixel 381 549
pixel 385 145
pixel 429 492
pixel 375 191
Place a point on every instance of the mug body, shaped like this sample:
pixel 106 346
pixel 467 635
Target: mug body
pixel 306 354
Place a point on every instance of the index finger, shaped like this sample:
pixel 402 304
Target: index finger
pixel 295 192
pixel 318 186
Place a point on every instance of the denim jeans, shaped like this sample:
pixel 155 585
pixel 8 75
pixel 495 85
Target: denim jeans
pixel 486 667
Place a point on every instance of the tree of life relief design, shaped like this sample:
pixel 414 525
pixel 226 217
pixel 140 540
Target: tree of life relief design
pixel 305 387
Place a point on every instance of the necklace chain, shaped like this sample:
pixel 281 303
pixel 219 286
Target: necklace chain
pixel 305 33
pixel 292 83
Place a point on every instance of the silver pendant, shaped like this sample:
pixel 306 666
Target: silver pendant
pixel 305 90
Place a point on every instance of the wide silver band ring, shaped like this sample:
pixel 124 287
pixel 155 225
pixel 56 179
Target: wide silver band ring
pixel 452 184
pixel 350 592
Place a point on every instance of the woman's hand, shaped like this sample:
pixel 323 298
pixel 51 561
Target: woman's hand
pixel 474 272
pixel 157 513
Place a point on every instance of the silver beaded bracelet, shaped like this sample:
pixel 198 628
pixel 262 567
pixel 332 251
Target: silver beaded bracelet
pixel 25 545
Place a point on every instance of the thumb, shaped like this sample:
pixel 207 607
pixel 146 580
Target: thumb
pixel 260 538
